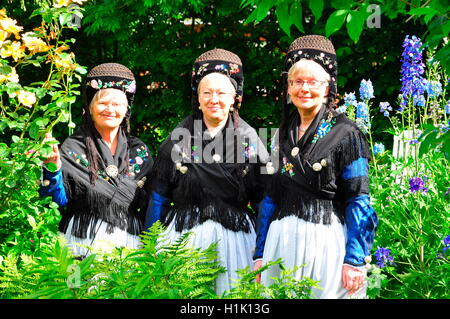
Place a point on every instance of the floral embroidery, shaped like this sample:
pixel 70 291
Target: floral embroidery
pixel 220 67
pixel 80 159
pixel 325 126
pixel 234 68
pixel 287 167
pixel 136 163
pixel 129 86
pixel 202 68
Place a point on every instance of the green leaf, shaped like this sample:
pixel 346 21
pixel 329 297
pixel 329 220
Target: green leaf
pixel 4 150
pixel 316 8
pixel 335 21
pixel 34 131
pixel 355 24
pixel 65 18
pixel 15 138
pixel 31 221
pixel 297 15
pixel 284 19
pixel 262 9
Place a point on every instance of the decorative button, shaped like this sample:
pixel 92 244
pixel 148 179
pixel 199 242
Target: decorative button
pixel 112 170
pixel 178 165
pixel 270 168
pixel 323 162
pixel 317 167
pixel 45 182
pixel 216 157
pixel 295 151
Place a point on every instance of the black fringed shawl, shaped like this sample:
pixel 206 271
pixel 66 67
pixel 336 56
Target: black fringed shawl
pixel 218 191
pixel 120 201
pixel 308 184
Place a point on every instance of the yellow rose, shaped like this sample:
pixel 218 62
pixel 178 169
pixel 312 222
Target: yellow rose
pixel 34 44
pixel 9 25
pixel 14 49
pixel 11 77
pixel 79 1
pixel 3 36
pixel 61 3
pixel 26 98
pixel 64 61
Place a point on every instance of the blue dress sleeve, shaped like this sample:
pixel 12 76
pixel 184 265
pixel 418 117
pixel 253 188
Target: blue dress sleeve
pixel 157 203
pixel 266 209
pixel 360 218
pixel 55 187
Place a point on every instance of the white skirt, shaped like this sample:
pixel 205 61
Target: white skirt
pixel 320 248
pixel 234 249
pixel 103 242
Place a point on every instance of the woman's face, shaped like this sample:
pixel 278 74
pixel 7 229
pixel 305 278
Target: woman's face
pixel 108 109
pixel 308 97
pixel 215 95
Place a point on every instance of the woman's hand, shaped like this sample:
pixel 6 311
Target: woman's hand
pixel 55 156
pixel 353 278
pixel 258 264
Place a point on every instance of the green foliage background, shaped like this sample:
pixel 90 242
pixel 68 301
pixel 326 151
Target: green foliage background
pixel 158 41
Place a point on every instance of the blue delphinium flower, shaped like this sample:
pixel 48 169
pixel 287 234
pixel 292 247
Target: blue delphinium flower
pixel 444 128
pixel 362 116
pixel 378 148
pixel 446 247
pixel 447 107
pixel 366 90
pixel 417 184
pixel 349 100
pixel 385 108
pixel 383 257
pixel 446 241
pixel 419 100
pixel 434 89
pixel 413 84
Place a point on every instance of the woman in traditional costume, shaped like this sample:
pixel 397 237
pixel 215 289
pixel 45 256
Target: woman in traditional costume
pixel 317 214
pixel 101 182
pixel 208 170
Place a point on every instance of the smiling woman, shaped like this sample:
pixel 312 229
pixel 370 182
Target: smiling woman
pixel 317 214
pixel 206 190
pixel 102 172
pixel 216 97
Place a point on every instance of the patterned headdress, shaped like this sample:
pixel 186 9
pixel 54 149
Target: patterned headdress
pixel 320 50
pixel 110 75
pixel 218 61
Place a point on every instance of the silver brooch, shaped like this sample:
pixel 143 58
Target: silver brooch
pixel 112 170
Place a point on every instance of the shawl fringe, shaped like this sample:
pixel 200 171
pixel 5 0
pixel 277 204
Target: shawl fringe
pixel 229 217
pixel 96 206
